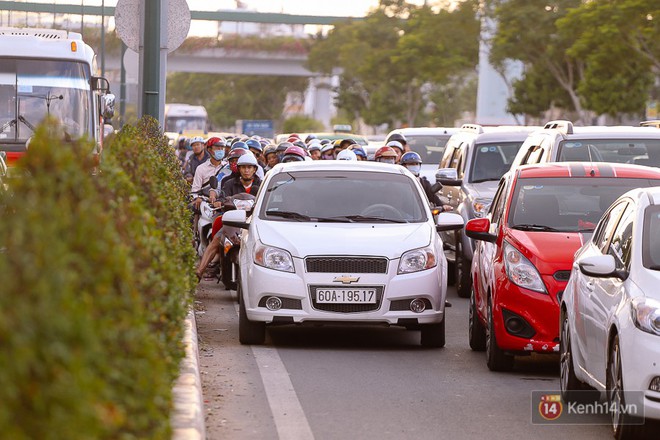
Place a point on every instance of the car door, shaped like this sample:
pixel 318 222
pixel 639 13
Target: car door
pixel 451 159
pixel 609 292
pixel 595 299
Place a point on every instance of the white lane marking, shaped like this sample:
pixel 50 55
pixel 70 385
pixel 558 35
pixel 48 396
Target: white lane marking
pixel 287 411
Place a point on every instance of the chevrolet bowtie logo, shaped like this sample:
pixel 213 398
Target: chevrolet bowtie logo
pixel 346 279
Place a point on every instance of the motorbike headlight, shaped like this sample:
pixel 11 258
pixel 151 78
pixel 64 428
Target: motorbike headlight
pixel 480 207
pixel 646 315
pixel 273 258
pixel 416 260
pixel 521 271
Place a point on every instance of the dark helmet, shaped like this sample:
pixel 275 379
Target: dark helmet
pixel 264 143
pixel 310 137
pixel 236 153
pixel 325 141
pixel 396 137
pixel 346 142
pixel 253 143
pixel 294 154
pixel 269 150
pixel 183 142
pixel 300 144
pixel 358 150
pixel 411 158
pixel 240 145
pixel 282 146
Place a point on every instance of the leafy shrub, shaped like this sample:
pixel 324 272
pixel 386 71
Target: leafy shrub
pixel 301 123
pixel 96 273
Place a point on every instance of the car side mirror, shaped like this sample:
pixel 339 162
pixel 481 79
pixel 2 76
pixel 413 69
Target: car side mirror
pixel 478 229
pixel 448 177
pixel 449 221
pixel 601 266
pixel 236 218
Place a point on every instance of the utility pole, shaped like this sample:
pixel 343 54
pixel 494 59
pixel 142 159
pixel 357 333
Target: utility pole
pixel 153 62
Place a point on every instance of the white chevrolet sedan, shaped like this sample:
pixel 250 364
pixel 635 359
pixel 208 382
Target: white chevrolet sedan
pixel 610 313
pixel 342 242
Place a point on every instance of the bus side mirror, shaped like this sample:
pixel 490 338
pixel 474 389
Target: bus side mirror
pixel 99 84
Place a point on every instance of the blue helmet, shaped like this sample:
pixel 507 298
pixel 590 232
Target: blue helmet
pixel 240 144
pixel 358 151
pixel 253 143
pixel 411 158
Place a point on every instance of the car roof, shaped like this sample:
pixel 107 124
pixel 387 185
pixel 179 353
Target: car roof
pixel 602 132
pixel 584 169
pixel 338 165
pixel 505 134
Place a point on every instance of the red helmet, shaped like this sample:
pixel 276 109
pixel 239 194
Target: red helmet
pixel 294 153
pixel 294 135
pixel 214 141
pixel 236 153
pixel 385 152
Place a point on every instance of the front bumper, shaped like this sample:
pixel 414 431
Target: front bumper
pixel 640 358
pixel 540 312
pixel 259 283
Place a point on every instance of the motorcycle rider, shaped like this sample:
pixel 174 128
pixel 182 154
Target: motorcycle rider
pixel 249 183
pixel 294 154
pixel 398 148
pixel 270 154
pixel 199 156
pixel 386 155
pixel 413 162
pixel 347 154
pixel 326 152
pixel 255 148
pixel 216 150
pixel 359 152
pixel 315 151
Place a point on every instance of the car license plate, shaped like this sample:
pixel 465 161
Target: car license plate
pixel 346 296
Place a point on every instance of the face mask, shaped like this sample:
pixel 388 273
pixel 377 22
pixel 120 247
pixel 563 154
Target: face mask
pixel 219 155
pixel 328 157
pixel 415 169
pixel 234 167
pixel 389 160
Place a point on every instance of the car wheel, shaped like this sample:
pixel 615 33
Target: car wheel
pixel 476 330
pixel 463 275
pixel 496 358
pixel 568 381
pixel 433 335
pixel 622 423
pixel 249 332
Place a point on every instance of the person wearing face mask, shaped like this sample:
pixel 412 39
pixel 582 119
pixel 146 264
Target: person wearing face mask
pixel 199 156
pixel 326 152
pixel 413 162
pixel 216 150
pixel 386 155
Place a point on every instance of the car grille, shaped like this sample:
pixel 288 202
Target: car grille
pixel 287 303
pixel 346 308
pixel 346 264
pixel 562 275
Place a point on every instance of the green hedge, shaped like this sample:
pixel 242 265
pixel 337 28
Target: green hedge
pixel 96 270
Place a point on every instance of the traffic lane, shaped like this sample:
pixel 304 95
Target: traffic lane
pixel 234 397
pixel 373 382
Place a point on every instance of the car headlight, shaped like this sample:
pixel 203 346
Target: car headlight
pixel 417 259
pixel 481 206
pixel 273 258
pixel 521 271
pixel 646 314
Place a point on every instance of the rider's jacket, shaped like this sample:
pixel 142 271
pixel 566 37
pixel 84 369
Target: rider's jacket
pixel 232 186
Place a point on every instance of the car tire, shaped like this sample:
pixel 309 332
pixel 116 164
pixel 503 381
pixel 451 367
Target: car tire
pixel 496 358
pixel 433 335
pixel 451 273
pixel 476 330
pixel 463 275
pixel 624 426
pixel 249 332
pixel 568 381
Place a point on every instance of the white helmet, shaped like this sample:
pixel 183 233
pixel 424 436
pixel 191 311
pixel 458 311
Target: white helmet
pixel 346 155
pixel 247 159
pixel 196 139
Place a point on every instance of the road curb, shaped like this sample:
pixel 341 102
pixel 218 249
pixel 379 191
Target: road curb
pixel 187 417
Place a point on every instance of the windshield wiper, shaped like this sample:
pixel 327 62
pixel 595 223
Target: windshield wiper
pixel 534 228
pixel 26 122
pixel 7 125
pixel 366 218
pixel 288 214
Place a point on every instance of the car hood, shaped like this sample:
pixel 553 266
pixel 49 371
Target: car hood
pixel 548 251
pixel 308 238
pixel 485 190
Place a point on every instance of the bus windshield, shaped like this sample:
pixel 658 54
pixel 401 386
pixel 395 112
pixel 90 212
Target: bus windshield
pixel 32 89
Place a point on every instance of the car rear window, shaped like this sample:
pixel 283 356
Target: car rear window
pixel 344 195
pixel 430 148
pixel 635 151
pixel 651 238
pixel 491 161
pixel 566 204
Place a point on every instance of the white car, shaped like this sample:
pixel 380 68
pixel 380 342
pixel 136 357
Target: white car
pixel 342 242
pixel 610 312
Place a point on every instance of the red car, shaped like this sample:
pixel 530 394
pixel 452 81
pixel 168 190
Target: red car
pixel 540 216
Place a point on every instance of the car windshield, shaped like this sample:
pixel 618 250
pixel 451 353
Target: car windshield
pixel 184 123
pixel 491 161
pixel 343 196
pixel 566 204
pixel 429 147
pixel 651 240
pixel 635 151
pixel 30 90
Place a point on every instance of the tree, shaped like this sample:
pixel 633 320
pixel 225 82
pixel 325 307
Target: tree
pixel 231 97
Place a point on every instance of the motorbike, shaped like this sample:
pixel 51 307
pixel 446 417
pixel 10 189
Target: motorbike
pixel 230 238
pixel 208 213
